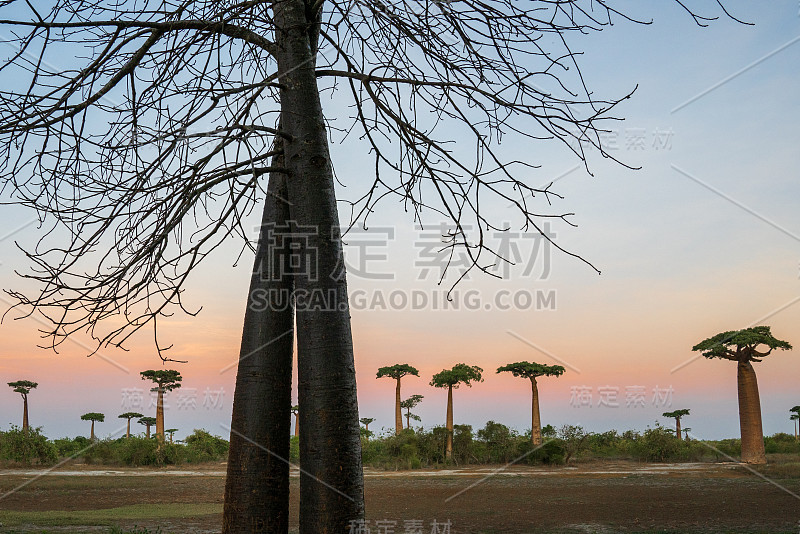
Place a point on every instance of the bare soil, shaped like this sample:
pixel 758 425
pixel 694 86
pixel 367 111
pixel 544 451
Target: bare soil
pixel 602 497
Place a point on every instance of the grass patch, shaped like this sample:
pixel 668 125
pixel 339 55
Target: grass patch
pixel 109 516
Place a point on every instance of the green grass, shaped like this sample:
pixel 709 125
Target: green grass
pixel 108 516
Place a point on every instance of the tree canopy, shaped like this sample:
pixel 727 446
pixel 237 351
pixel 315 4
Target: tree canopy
pixel 461 373
pixel 397 371
pixel 531 370
pixel 23 386
pixel 367 420
pixel 411 402
pixel 147 421
pixel 795 409
pixel 129 415
pixel 166 379
pixel 677 414
pixel 93 416
pixel 741 345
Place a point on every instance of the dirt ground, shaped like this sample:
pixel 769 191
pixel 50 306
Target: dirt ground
pixel 608 497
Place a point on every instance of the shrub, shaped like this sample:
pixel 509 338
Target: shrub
pixel 203 447
pixel 27 447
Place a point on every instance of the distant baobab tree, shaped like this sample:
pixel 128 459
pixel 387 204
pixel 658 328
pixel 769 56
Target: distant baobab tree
pixel 408 405
pixel 165 380
pixel 686 433
pixel 23 387
pixel 531 371
pixel 171 431
pixel 461 373
pixel 148 422
pixel 795 410
pixel 129 416
pixel 366 421
pixel 296 412
pixel 93 416
pixel 741 347
pixel 677 414
pixel 397 372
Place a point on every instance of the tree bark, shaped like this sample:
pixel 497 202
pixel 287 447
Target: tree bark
pixel 408 420
pixel 448 451
pixel 148 431
pixel 398 413
pixel 678 427
pixel 25 414
pixel 331 481
pixel 296 426
pixel 750 415
pixel 257 482
pixel 536 422
pixel 128 432
pixel 92 432
pixel 160 416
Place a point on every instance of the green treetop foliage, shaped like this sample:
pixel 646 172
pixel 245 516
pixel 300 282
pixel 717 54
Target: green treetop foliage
pixel 23 386
pixel 461 373
pixel 397 371
pixel 147 421
pixel 296 409
pixel 411 402
pixel 366 421
pixel 795 409
pixel 794 417
pixel 741 345
pixel 93 416
pixel 166 379
pixel 677 414
pixel 531 370
pixel 130 415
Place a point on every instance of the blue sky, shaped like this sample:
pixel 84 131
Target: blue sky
pixel 703 238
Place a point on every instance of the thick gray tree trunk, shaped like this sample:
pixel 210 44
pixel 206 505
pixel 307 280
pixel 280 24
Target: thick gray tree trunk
pixel 331 482
pixel 257 484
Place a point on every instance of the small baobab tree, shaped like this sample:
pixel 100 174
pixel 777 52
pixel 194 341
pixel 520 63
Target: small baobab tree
pixel 531 371
pixel 171 432
pixel 148 422
pixel 461 373
pixel 408 405
pixel 677 414
pixel 794 417
pixel 686 431
pixel 366 422
pixel 165 380
pixel 93 417
pixel 741 346
pixel 129 416
pixel 296 412
pixel 397 372
pixel 23 387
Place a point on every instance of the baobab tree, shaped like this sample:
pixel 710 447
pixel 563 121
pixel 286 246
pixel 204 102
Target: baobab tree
pixel 129 416
pixel 93 417
pixel 165 380
pixel 741 346
pixel 296 412
pixel 397 371
pixel 171 431
pixel 366 421
pixel 677 414
pixel 23 387
pixel 148 422
pixel 795 410
pixel 686 431
pixel 461 373
pixel 174 120
pixel 532 371
pixel 408 405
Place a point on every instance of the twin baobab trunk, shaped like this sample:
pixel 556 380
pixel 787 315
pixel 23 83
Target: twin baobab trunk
pixel 448 450
pixel 750 415
pixel 257 483
pixel 398 414
pixel 536 422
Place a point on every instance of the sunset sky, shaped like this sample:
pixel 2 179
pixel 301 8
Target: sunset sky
pixel 704 238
